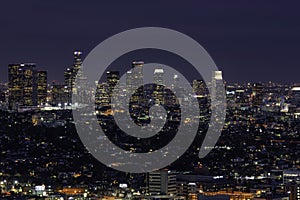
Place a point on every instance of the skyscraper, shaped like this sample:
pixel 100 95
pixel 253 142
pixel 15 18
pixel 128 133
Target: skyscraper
pixel 216 90
pixel 14 85
pixel 200 88
pixel 295 96
pixel 23 85
pixel 59 95
pixel 129 81
pixel 137 67
pixel 158 77
pixel 134 82
pixel 71 73
pixel 42 87
pixel 257 94
pixel 77 59
pixel 112 79
pixel 102 98
pixel 29 84
pixel 68 77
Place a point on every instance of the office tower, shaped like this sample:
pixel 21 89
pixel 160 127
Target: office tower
pixel 158 76
pixel 257 94
pixel 69 80
pixel 158 92
pixel 162 182
pixel 68 75
pixel 42 87
pixel 23 84
pixel 295 96
pixel 134 83
pixel 59 95
pixel 81 78
pixel 137 67
pixel 14 86
pixel 129 81
pixel 178 89
pixel 201 93
pixel 200 88
pixel 134 77
pixel 71 72
pixel 77 59
pixel 241 98
pixel 216 90
pixel 102 98
pixel 112 79
pixel 29 83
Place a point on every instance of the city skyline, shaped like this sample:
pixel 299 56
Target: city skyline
pixel 128 64
pixel 148 100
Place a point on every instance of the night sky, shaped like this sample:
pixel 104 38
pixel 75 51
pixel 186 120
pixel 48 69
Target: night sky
pixel 249 40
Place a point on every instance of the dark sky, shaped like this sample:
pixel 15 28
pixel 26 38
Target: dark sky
pixel 249 40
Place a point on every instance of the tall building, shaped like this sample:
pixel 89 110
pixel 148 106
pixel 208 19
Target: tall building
pixel 68 75
pixel 200 88
pixel 59 95
pixel 29 84
pixel 23 80
pixel 112 78
pixel 137 67
pixel 77 66
pixel 72 72
pixel 134 83
pixel 217 84
pixel 134 77
pixel 69 81
pixel 295 96
pixel 102 98
pixel 77 59
pixel 257 94
pixel 42 87
pixel 158 77
pixel 14 86
pixel 129 81
pixel 162 182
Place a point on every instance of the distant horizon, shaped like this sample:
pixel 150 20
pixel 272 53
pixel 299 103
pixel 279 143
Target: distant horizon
pixel 61 73
pixel 61 81
pixel 128 64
